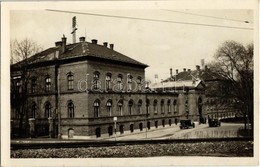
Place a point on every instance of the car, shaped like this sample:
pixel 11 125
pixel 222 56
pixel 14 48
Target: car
pixel 214 123
pixel 186 124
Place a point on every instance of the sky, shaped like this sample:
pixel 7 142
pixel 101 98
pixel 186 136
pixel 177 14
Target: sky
pixel 161 45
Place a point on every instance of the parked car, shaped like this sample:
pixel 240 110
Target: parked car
pixel 186 124
pixel 214 123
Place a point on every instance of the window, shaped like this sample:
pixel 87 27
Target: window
pixel 34 110
pixel 47 84
pixel 96 83
pixel 162 106
pixel 120 107
pixel 48 110
pixel 109 107
pixel 108 82
pixel 147 106
pixel 155 107
pixel 96 108
pixel 71 109
pixel 169 106
pixel 139 80
pixel 18 86
pixel 140 106
pixel 120 82
pixel 34 85
pixel 70 79
pixel 175 106
pixel 130 105
pixel 187 107
pixel 129 82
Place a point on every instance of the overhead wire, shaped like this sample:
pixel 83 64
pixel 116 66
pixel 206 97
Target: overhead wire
pixel 148 19
pixel 214 17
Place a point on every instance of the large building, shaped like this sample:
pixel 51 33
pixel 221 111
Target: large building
pixel 77 90
pixel 88 90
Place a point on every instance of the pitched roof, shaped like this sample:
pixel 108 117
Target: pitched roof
pixel 81 49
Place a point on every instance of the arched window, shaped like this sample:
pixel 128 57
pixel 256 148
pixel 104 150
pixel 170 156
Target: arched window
pixel 130 107
pixel 47 84
pixel 48 110
pixel 129 82
pixel 120 107
pixel 108 81
pixel 70 79
pixel 109 107
pixel 162 106
pixel 70 109
pixel 147 106
pixel 175 106
pixel 139 81
pixel 140 106
pixel 96 108
pixel 34 85
pixel 34 110
pixel 120 82
pixel 96 82
pixel 155 107
pixel 169 106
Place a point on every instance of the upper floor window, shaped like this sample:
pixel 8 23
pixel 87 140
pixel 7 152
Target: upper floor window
pixel 18 86
pixel 34 110
pixel 129 82
pixel 96 82
pixel 147 106
pixel 175 106
pixel 108 81
pixel 162 106
pixel 187 106
pixel 47 84
pixel 34 85
pixel 130 105
pixel 120 82
pixel 140 106
pixel 120 107
pixel 48 113
pixel 71 109
pixel 139 80
pixel 109 107
pixel 169 106
pixel 96 108
pixel 70 79
pixel 155 106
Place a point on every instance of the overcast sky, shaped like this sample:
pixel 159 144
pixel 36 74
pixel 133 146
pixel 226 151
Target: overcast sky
pixel 160 45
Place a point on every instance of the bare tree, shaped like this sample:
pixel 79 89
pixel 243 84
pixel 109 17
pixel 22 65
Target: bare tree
pixel 21 51
pixel 234 63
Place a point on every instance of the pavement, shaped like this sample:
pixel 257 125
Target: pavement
pixel 170 132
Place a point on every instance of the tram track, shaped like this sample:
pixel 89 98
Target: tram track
pixel 44 144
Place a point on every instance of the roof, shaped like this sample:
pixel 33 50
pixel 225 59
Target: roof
pixel 202 74
pixel 177 84
pixel 81 49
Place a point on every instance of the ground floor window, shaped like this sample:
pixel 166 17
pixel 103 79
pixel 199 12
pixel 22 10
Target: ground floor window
pixel 132 128
pixel 170 122
pixel 110 130
pixel 148 125
pixel 121 129
pixel 156 124
pixel 141 126
pixel 163 122
pixel 98 132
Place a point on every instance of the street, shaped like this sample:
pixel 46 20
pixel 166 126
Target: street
pixel 174 132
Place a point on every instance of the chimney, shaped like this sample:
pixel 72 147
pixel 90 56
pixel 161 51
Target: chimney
pixel 171 72
pixel 176 71
pixel 58 44
pixel 202 61
pixel 112 46
pixel 197 67
pixel 206 67
pixel 82 39
pixel 94 41
pixel 188 70
pixel 184 69
pixel 63 39
pixel 105 44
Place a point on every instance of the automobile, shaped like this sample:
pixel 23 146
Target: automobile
pixel 214 123
pixel 186 124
